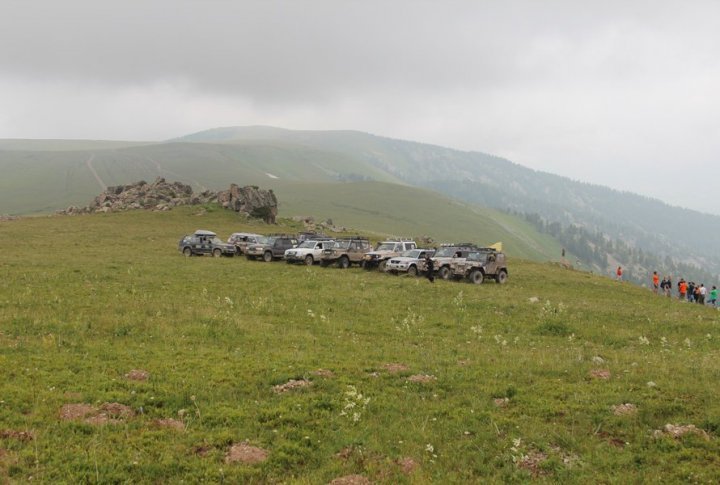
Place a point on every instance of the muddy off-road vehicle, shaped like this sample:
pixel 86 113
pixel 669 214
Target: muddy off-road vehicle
pixel 481 265
pixel 204 242
pixel 346 252
pixel 271 247
pixel 309 251
pixel 386 250
pixel 411 262
pixel 242 240
pixel 449 253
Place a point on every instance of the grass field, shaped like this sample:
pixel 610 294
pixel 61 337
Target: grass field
pixel 514 390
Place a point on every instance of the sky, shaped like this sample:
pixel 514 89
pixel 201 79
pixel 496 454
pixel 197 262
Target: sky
pixel 619 93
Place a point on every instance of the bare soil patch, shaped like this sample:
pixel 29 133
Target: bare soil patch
pixel 422 378
pixel 395 367
pixel 170 423
pixel 612 440
pixel 76 411
pixel 501 402
pixel 290 385
pixel 117 410
pixel 201 450
pixel 625 409
pixel 17 435
pixel 137 375
pixel 677 431
pixel 600 374
pixel 407 465
pixel 244 453
pixel 532 462
pixel 351 480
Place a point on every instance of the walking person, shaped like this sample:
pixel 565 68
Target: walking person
pixel 668 287
pixel 713 296
pixel 618 273
pixel 701 294
pixel 682 289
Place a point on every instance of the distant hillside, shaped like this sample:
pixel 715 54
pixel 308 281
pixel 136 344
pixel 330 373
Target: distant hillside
pixel 41 179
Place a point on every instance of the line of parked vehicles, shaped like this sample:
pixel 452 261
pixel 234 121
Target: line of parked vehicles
pixel 398 256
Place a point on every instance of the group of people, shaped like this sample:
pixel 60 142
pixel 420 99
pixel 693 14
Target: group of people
pixel 686 290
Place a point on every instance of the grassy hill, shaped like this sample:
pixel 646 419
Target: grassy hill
pixel 513 389
pixel 412 212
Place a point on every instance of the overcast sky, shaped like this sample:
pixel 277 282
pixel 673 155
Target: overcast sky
pixel 620 93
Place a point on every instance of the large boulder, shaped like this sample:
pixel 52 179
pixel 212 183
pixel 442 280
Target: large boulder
pixel 250 200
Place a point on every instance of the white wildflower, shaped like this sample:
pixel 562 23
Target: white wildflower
pixel 644 340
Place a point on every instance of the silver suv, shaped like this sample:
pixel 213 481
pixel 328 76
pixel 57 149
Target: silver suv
pixel 386 250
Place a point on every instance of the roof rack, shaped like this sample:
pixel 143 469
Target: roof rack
pixel 348 238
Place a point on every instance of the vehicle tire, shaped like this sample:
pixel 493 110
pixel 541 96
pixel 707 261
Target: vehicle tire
pixel 267 257
pixel 381 265
pixel 344 262
pixel 444 273
pixel 412 270
pixel 217 253
pixel 476 276
pixel 501 277
pixel 187 252
pixel 309 260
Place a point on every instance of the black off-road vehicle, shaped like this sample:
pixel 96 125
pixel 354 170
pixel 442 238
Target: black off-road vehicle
pixel 204 242
pixel 271 247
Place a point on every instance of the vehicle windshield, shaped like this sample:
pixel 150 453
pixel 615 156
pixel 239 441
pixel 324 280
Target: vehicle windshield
pixel 413 253
pixel 385 247
pixel 446 252
pixel 307 244
pixel 477 257
pixel 265 240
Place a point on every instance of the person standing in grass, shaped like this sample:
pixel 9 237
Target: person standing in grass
pixel 429 268
pixel 701 294
pixel 655 282
pixel 713 296
pixel 618 273
pixel 682 289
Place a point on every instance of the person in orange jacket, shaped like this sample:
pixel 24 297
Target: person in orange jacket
pixel 656 282
pixel 682 288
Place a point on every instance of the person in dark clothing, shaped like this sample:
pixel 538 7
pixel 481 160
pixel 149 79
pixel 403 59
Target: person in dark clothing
pixel 429 268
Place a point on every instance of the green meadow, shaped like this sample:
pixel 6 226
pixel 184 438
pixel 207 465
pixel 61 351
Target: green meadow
pixel 401 380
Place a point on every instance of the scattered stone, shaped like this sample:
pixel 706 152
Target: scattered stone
pixel 463 362
pixel 8 217
pixel 244 453
pixel 351 480
pixel 291 384
pixel 678 431
pixel 407 465
pixel 324 373
pixel 600 373
pixel 170 423
pixel 394 368
pixel 137 375
pixel 533 299
pixel 422 378
pixel 598 360
pixel 625 409
pixel 501 402
pixel 651 384
pixel 17 435
pixel 250 200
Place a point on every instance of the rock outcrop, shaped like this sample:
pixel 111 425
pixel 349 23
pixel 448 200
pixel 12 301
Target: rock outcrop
pixel 250 200
pixel 163 196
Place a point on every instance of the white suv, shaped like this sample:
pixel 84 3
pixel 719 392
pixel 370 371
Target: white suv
pixel 386 250
pixel 309 251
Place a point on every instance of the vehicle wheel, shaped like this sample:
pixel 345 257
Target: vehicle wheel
pixel 344 262
pixel 381 265
pixel 412 270
pixel 501 277
pixel 216 253
pixel 309 260
pixel 267 257
pixel 476 276
pixel 187 252
pixel 444 273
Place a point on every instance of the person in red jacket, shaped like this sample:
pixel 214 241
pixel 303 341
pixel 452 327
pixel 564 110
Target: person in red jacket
pixel 682 288
pixel 656 282
pixel 618 273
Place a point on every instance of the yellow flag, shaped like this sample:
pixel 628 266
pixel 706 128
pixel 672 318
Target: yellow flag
pixel 497 246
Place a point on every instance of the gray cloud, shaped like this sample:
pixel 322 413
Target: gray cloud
pixel 619 93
